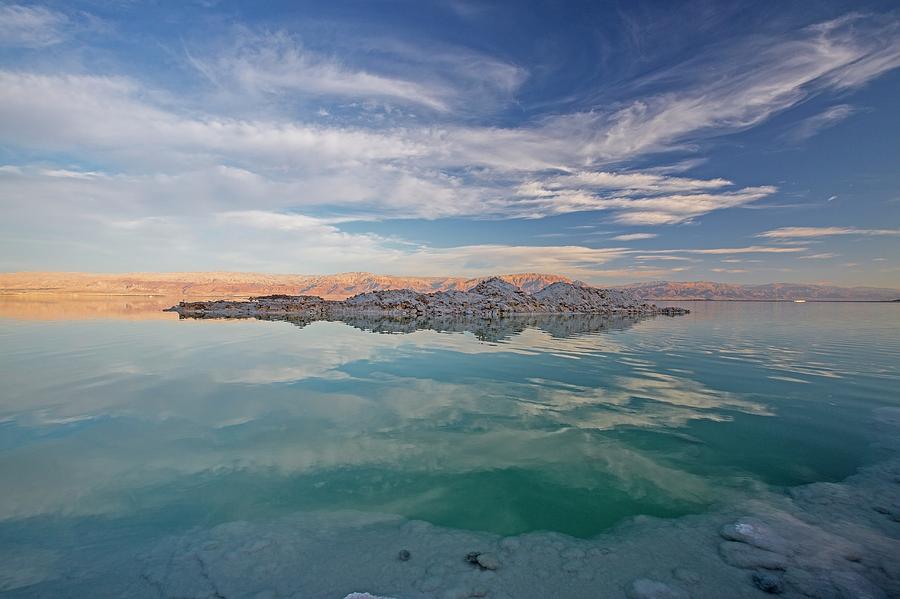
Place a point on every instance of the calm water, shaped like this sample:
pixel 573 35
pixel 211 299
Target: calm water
pixel 565 424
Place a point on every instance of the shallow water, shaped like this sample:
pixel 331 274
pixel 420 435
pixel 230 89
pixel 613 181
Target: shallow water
pixel 142 428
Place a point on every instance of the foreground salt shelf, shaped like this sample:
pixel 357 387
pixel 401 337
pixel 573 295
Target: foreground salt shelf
pixel 491 298
pixel 822 540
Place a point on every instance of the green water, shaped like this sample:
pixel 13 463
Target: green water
pixel 566 424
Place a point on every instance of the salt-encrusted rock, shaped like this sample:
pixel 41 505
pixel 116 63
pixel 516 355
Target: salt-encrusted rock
pixel 742 555
pixel 686 575
pixel 489 298
pixel 573 565
pixel 811 583
pixel 892 511
pixel 855 586
pixel 581 298
pixel 768 582
pixel 836 584
pixel 573 553
pixel 757 533
pixel 644 588
pixel 488 561
pixel 431 584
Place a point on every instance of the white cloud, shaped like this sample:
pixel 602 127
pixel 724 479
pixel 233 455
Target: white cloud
pixel 160 228
pixel 629 182
pixel 674 209
pixel 821 256
pixel 813 232
pixel 274 62
pixel 169 162
pixel 751 82
pixel 664 257
pixel 475 260
pixel 394 173
pixel 736 87
pixel 635 236
pixel 404 171
pixel 107 115
pixel 63 173
pixel 303 238
pixel 273 220
pixel 825 119
pixel 31 26
pixel 630 206
pixel 752 249
pixel 879 47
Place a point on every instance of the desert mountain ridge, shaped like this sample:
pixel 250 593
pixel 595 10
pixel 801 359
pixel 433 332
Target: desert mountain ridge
pixel 344 285
pixel 709 290
pixel 239 284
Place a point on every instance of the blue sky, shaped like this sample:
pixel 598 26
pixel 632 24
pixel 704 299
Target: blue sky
pixel 611 141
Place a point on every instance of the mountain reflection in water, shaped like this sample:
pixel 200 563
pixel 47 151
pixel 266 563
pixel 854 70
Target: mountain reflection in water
pixel 485 329
pixel 563 423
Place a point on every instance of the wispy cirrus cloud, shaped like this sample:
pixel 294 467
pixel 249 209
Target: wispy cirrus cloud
pixel 278 63
pixel 275 169
pixel 631 182
pixel 663 258
pixel 819 256
pixel 825 119
pixel 814 232
pixel 635 236
pixel 280 221
pixel 392 173
pixel 750 249
pixel 746 83
pixel 637 198
pixel 275 62
pixel 31 26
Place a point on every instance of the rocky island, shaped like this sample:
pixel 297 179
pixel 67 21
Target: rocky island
pixel 490 298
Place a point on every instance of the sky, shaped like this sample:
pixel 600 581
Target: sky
pixel 609 141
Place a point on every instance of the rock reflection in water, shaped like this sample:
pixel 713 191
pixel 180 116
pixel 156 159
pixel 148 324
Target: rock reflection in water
pixel 561 326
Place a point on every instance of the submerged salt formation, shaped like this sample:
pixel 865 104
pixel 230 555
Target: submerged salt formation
pixel 823 540
pixel 490 298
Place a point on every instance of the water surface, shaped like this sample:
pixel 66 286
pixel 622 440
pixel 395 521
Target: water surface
pixel 561 424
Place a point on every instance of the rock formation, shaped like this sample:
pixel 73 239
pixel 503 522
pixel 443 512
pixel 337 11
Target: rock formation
pixel 490 298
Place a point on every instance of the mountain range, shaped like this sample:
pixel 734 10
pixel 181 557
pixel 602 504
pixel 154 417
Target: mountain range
pixel 708 290
pixel 236 284
pixel 344 285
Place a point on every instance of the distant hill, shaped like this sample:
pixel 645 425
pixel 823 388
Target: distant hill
pixel 707 290
pixel 341 286
pixel 230 284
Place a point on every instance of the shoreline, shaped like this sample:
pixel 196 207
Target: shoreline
pixel 836 540
pixel 774 301
pixel 245 297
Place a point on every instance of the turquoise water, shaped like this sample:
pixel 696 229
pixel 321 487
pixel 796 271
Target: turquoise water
pixel 563 424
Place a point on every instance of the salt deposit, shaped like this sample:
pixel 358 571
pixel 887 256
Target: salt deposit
pixel 829 540
pixel 490 298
